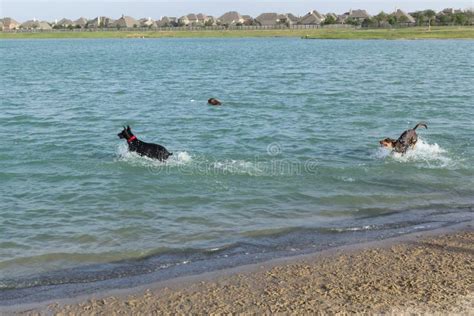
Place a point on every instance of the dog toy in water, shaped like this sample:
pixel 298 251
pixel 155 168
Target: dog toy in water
pixel 154 151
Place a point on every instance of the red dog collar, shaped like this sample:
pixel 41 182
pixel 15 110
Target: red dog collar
pixel 131 139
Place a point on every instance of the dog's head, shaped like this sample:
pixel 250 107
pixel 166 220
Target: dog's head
pixel 387 143
pixel 125 133
pixel 214 101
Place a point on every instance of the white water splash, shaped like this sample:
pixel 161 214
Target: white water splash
pixel 237 167
pixel 184 159
pixel 177 159
pixel 432 155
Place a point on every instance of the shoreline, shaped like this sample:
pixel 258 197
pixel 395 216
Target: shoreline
pixel 412 33
pixel 141 299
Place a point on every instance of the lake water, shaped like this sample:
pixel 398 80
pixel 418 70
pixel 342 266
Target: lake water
pixel 289 164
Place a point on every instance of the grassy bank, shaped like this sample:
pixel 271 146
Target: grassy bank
pixel 327 33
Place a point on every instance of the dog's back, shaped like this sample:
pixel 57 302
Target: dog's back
pixel 150 150
pixel 407 139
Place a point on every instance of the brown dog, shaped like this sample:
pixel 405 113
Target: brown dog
pixel 406 140
pixel 213 101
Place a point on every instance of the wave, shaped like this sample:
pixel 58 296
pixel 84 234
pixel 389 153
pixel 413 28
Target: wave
pixel 431 155
pixel 238 167
pixel 195 164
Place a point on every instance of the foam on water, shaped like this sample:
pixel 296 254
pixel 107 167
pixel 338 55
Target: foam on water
pixel 237 167
pixel 431 155
pixel 183 158
pixel 177 159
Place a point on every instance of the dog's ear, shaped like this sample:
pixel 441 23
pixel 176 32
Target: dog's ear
pixel 128 128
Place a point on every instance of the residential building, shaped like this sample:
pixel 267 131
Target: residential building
pixel 10 24
pixel 147 22
pixel 311 18
pixel 81 22
pixel 126 22
pixel 100 22
pixel 167 22
pixel 358 15
pixel 36 25
pixel 64 23
pixel 404 18
pixel 231 18
pixel 267 19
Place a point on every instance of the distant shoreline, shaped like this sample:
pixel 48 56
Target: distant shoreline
pixel 411 33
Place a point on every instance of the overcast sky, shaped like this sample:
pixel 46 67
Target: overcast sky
pixel 23 10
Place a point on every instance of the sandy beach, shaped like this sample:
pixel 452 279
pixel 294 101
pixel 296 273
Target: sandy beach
pixel 422 274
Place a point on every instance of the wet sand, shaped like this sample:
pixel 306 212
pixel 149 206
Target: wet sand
pixel 423 274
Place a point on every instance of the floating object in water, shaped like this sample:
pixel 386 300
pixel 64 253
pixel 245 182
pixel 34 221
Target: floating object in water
pixel 213 101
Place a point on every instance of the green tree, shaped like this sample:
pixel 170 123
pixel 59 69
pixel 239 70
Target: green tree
pixel 460 18
pixel 369 22
pixel 445 19
pixel 469 16
pixel 403 20
pixel 329 20
pixel 392 20
pixel 430 14
pixel 419 18
pixel 380 18
pixel 353 21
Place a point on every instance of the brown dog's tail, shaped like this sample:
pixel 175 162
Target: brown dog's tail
pixel 421 124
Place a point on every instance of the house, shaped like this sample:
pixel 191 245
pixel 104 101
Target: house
pixel 358 15
pixel 81 22
pixel 248 20
pixel 447 11
pixel 167 22
pixel 312 18
pixel 267 19
pixel 147 22
pixel 292 19
pixel 203 19
pixel 36 25
pixel 183 21
pixel 319 15
pixel 404 18
pixel 341 19
pixel 10 24
pixel 126 22
pixel 212 21
pixel 64 23
pixel 99 22
pixel 231 18
pixel 43 25
pixel 193 19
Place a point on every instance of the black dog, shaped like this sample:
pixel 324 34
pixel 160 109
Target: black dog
pixel 406 140
pixel 154 151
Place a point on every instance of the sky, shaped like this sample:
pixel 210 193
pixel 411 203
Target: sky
pixel 23 10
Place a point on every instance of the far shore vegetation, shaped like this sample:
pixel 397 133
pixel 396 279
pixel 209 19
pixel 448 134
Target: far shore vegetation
pixel 438 32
